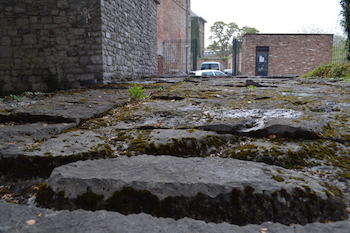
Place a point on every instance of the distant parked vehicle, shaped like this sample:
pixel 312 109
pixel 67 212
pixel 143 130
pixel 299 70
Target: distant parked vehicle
pixel 228 72
pixel 212 65
pixel 209 73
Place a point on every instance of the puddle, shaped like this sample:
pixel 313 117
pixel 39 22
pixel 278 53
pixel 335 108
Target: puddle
pixel 257 117
pixel 259 113
pixel 299 94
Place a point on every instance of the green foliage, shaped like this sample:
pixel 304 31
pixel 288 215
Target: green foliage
pixel 29 93
pixel 18 98
pixel 330 70
pixel 137 92
pixel 222 35
pixel 22 97
pixel 247 30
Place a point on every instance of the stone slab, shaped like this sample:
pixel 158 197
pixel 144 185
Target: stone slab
pixel 14 220
pixel 211 189
pixel 166 176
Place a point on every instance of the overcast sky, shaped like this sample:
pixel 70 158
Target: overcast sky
pixel 272 16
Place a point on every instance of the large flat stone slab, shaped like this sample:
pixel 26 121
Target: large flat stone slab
pixel 210 189
pixel 29 157
pixel 176 142
pixel 14 219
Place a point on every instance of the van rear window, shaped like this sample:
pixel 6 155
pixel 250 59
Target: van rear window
pixel 210 67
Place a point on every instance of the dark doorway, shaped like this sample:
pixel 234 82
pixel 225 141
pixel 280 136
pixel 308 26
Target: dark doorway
pixel 262 61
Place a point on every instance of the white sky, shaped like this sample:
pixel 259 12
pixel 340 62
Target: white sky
pixel 272 16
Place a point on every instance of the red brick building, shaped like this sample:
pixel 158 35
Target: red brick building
pixel 284 54
pixel 173 37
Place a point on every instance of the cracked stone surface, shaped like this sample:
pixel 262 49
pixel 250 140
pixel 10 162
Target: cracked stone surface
pixel 166 176
pixel 299 125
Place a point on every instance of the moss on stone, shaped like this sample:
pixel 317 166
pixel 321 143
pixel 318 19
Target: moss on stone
pixel 237 207
pixel 333 189
pixel 103 149
pixel 297 178
pixel 89 200
pixel 184 147
pixel 278 178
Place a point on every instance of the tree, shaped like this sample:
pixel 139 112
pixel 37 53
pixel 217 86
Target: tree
pixel 345 22
pixel 312 29
pixel 221 37
pixel 247 30
pixel 223 34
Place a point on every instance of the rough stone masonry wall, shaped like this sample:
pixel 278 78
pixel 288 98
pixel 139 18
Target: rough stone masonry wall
pixel 129 45
pixel 45 41
pixel 289 54
pixel 49 43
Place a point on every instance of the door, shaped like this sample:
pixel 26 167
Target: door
pixel 262 61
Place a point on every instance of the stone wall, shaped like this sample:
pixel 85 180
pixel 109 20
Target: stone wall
pixel 289 54
pixel 129 44
pixel 51 44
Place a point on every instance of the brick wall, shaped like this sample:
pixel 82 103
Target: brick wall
pixel 289 54
pixel 75 42
pixel 173 17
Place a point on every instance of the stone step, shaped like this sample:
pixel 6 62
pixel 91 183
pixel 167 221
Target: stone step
pixel 209 189
pixel 20 218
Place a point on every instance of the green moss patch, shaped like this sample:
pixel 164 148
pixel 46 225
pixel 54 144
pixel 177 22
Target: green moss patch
pixel 184 147
pixel 239 207
pixel 306 154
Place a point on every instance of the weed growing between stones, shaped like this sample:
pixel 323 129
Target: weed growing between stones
pixel 137 92
pixel 20 97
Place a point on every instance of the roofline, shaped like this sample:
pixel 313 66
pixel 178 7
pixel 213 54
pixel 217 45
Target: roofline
pixel 201 19
pixel 287 34
pixel 196 16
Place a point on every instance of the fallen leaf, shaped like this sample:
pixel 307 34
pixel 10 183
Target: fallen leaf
pixel 31 222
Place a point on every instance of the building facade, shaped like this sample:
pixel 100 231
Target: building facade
pixel 284 54
pixel 173 37
pixel 198 33
pixel 75 42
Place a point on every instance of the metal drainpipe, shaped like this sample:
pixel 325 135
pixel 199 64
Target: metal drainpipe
pixel 187 36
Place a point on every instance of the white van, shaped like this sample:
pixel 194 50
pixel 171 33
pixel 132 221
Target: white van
pixel 212 65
